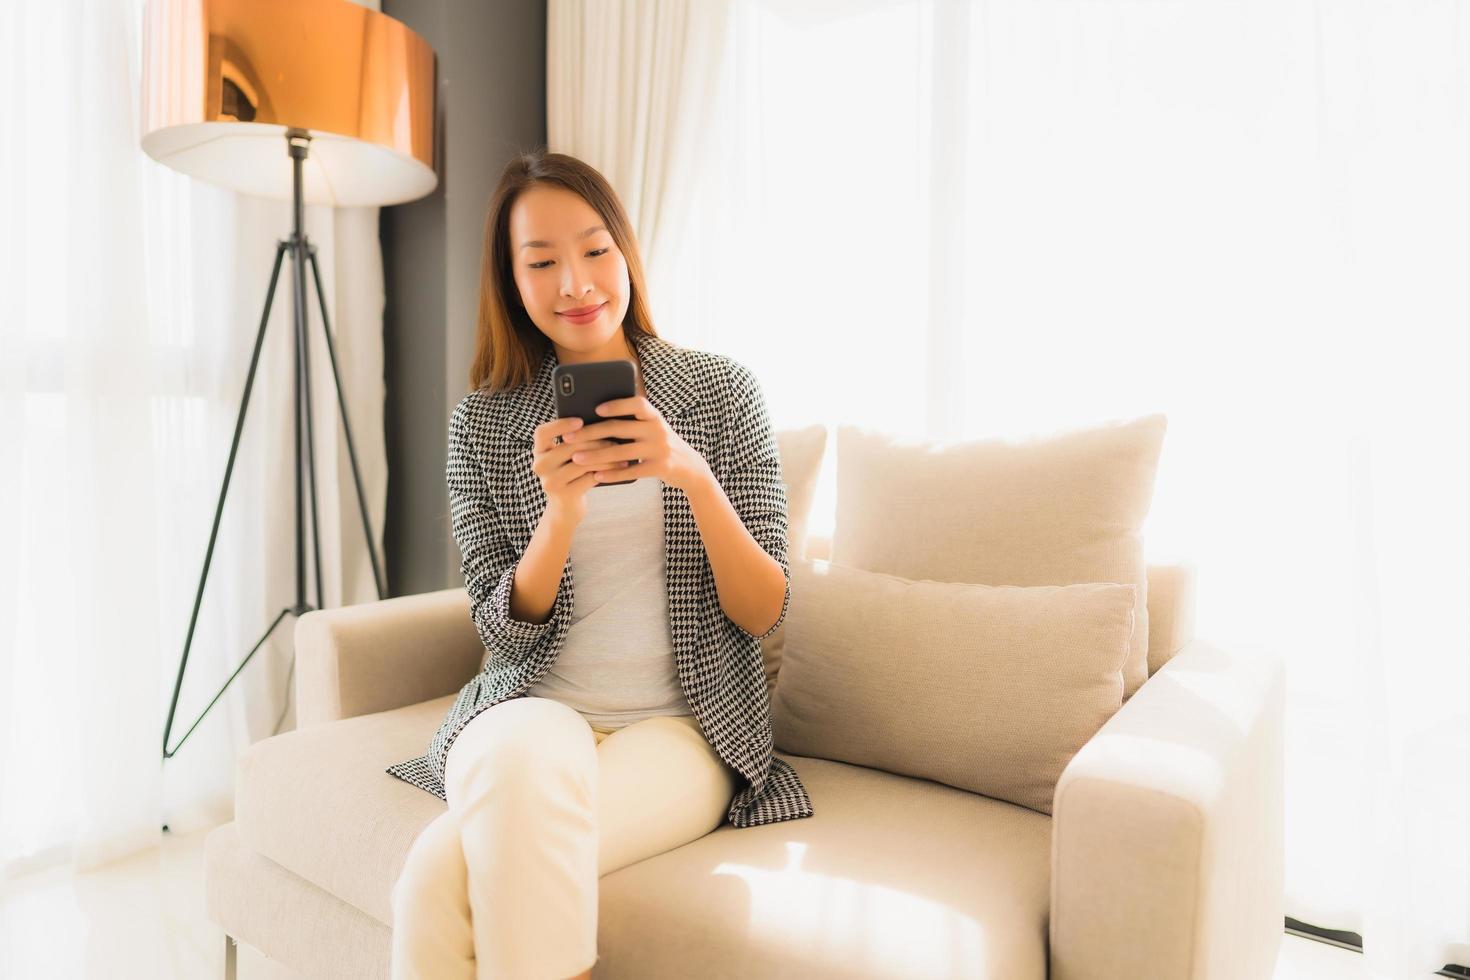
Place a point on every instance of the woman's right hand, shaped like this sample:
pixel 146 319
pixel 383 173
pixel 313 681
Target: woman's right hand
pixel 564 481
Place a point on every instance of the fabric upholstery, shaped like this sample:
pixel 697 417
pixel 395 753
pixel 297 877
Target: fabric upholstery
pixel 987 688
pixel 1168 851
pixel 1051 509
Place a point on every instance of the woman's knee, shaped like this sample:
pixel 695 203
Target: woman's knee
pixel 520 741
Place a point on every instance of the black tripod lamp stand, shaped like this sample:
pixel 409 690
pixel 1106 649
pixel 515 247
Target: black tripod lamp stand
pixel 315 101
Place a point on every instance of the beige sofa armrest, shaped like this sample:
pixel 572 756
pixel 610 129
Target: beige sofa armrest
pixel 376 656
pixel 1168 827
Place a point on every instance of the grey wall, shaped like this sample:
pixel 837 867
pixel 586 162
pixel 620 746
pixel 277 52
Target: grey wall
pixel 492 105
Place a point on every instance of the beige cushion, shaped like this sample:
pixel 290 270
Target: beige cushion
pixel 1171 602
pixel 801 463
pixel 1053 509
pixel 991 689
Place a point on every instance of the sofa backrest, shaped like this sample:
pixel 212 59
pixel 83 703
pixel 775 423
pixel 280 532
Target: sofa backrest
pixel 1171 602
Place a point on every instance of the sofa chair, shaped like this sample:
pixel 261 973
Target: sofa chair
pixel 1161 858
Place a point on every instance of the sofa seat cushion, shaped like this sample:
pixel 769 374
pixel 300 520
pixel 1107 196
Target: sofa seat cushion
pixel 894 876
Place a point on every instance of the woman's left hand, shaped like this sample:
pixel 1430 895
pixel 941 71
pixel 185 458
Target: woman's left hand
pixel 662 452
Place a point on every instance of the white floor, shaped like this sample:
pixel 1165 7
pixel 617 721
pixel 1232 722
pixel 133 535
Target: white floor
pixel 144 917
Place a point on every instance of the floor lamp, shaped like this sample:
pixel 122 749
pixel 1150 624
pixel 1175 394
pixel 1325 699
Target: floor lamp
pixel 312 101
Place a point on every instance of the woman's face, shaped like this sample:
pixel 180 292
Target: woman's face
pixel 560 267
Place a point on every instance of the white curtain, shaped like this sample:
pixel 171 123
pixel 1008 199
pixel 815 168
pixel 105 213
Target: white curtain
pixel 131 299
pixel 627 89
pixel 1003 217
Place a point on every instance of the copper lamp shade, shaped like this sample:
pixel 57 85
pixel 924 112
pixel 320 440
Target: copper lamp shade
pixel 223 80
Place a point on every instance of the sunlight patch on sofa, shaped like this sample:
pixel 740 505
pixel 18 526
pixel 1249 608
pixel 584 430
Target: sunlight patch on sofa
pixel 837 919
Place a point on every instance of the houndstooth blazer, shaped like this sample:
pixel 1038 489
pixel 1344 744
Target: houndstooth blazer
pixel 716 405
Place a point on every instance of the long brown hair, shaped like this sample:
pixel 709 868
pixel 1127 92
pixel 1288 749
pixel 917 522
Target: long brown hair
pixel 508 345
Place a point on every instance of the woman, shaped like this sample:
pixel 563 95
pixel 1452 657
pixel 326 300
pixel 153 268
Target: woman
pixel 627 716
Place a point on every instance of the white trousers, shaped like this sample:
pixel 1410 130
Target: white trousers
pixel 504 884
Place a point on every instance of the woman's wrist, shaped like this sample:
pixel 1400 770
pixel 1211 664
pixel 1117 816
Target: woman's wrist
pixel 560 521
pixel 704 489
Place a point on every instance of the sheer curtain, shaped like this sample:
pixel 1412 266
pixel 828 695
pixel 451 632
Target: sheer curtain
pixel 628 86
pixel 131 297
pixel 1010 216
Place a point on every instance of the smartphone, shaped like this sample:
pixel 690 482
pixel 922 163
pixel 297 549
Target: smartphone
pixel 580 388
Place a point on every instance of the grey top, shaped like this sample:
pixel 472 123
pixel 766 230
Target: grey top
pixel 616 664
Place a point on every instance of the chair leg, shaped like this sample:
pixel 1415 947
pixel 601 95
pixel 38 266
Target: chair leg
pixel 229 957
